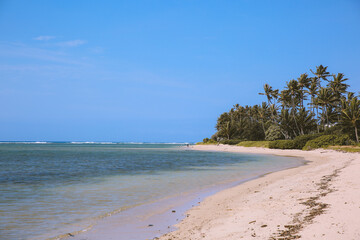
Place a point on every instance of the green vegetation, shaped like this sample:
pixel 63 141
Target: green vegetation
pixel 282 144
pixel 263 144
pixel 298 143
pixel 230 141
pixel 328 140
pixel 302 114
pixel 207 141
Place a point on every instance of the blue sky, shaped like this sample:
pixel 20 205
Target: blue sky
pixel 158 70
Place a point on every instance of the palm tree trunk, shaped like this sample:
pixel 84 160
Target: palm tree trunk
pixel 263 126
pixel 356 134
pixel 327 116
pixel 293 105
pixel 317 118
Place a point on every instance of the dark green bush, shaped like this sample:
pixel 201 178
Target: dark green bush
pixel 205 140
pixel 282 144
pixel 328 140
pixel 208 141
pixel 300 141
pixel 231 141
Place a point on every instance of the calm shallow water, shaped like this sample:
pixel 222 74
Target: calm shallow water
pixel 54 188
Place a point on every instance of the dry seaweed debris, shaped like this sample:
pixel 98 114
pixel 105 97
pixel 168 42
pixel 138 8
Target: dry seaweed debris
pixel 314 208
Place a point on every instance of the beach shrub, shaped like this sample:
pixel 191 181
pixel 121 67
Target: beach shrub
pixel 214 137
pixel 282 144
pixel 328 140
pixel 300 141
pixel 263 144
pixel 205 140
pixel 273 133
pixel 231 141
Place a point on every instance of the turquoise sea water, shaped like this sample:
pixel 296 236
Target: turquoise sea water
pixel 48 189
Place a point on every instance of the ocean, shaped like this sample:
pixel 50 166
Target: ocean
pixel 50 189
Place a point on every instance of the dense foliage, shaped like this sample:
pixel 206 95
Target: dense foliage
pixel 328 140
pixel 317 104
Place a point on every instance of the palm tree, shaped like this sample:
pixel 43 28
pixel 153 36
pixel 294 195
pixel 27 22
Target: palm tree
pixel 273 109
pixel 284 99
pixel 306 121
pixel 304 82
pixel 326 99
pixel 262 113
pixel 321 73
pixel 286 109
pixel 267 92
pixel 286 124
pixel 337 85
pixel 312 91
pixel 293 92
pixel 350 114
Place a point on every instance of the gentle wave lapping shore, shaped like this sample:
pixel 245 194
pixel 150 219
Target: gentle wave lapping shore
pixel 319 200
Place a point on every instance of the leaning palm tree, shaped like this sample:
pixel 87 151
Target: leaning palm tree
pixel 267 92
pixel 350 114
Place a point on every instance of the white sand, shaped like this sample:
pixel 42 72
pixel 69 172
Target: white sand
pixel 261 208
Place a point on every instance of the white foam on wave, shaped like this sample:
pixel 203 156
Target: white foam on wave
pixel 92 142
pixel 153 143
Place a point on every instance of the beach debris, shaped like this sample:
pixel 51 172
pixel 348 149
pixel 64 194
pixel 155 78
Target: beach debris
pixel 150 225
pixel 314 208
pixel 252 222
pixel 263 225
pixel 173 211
pixel 70 235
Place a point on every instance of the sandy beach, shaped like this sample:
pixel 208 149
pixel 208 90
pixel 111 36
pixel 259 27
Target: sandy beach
pixel 319 200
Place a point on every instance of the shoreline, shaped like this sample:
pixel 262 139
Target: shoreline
pixel 318 200
pixel 163 214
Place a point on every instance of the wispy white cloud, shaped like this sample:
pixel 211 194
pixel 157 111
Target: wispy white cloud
pixel 72 43
pixel 20 51
pixel 97 50
pixel 44 38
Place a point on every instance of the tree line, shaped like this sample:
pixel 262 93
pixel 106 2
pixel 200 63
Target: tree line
pixel 320 103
